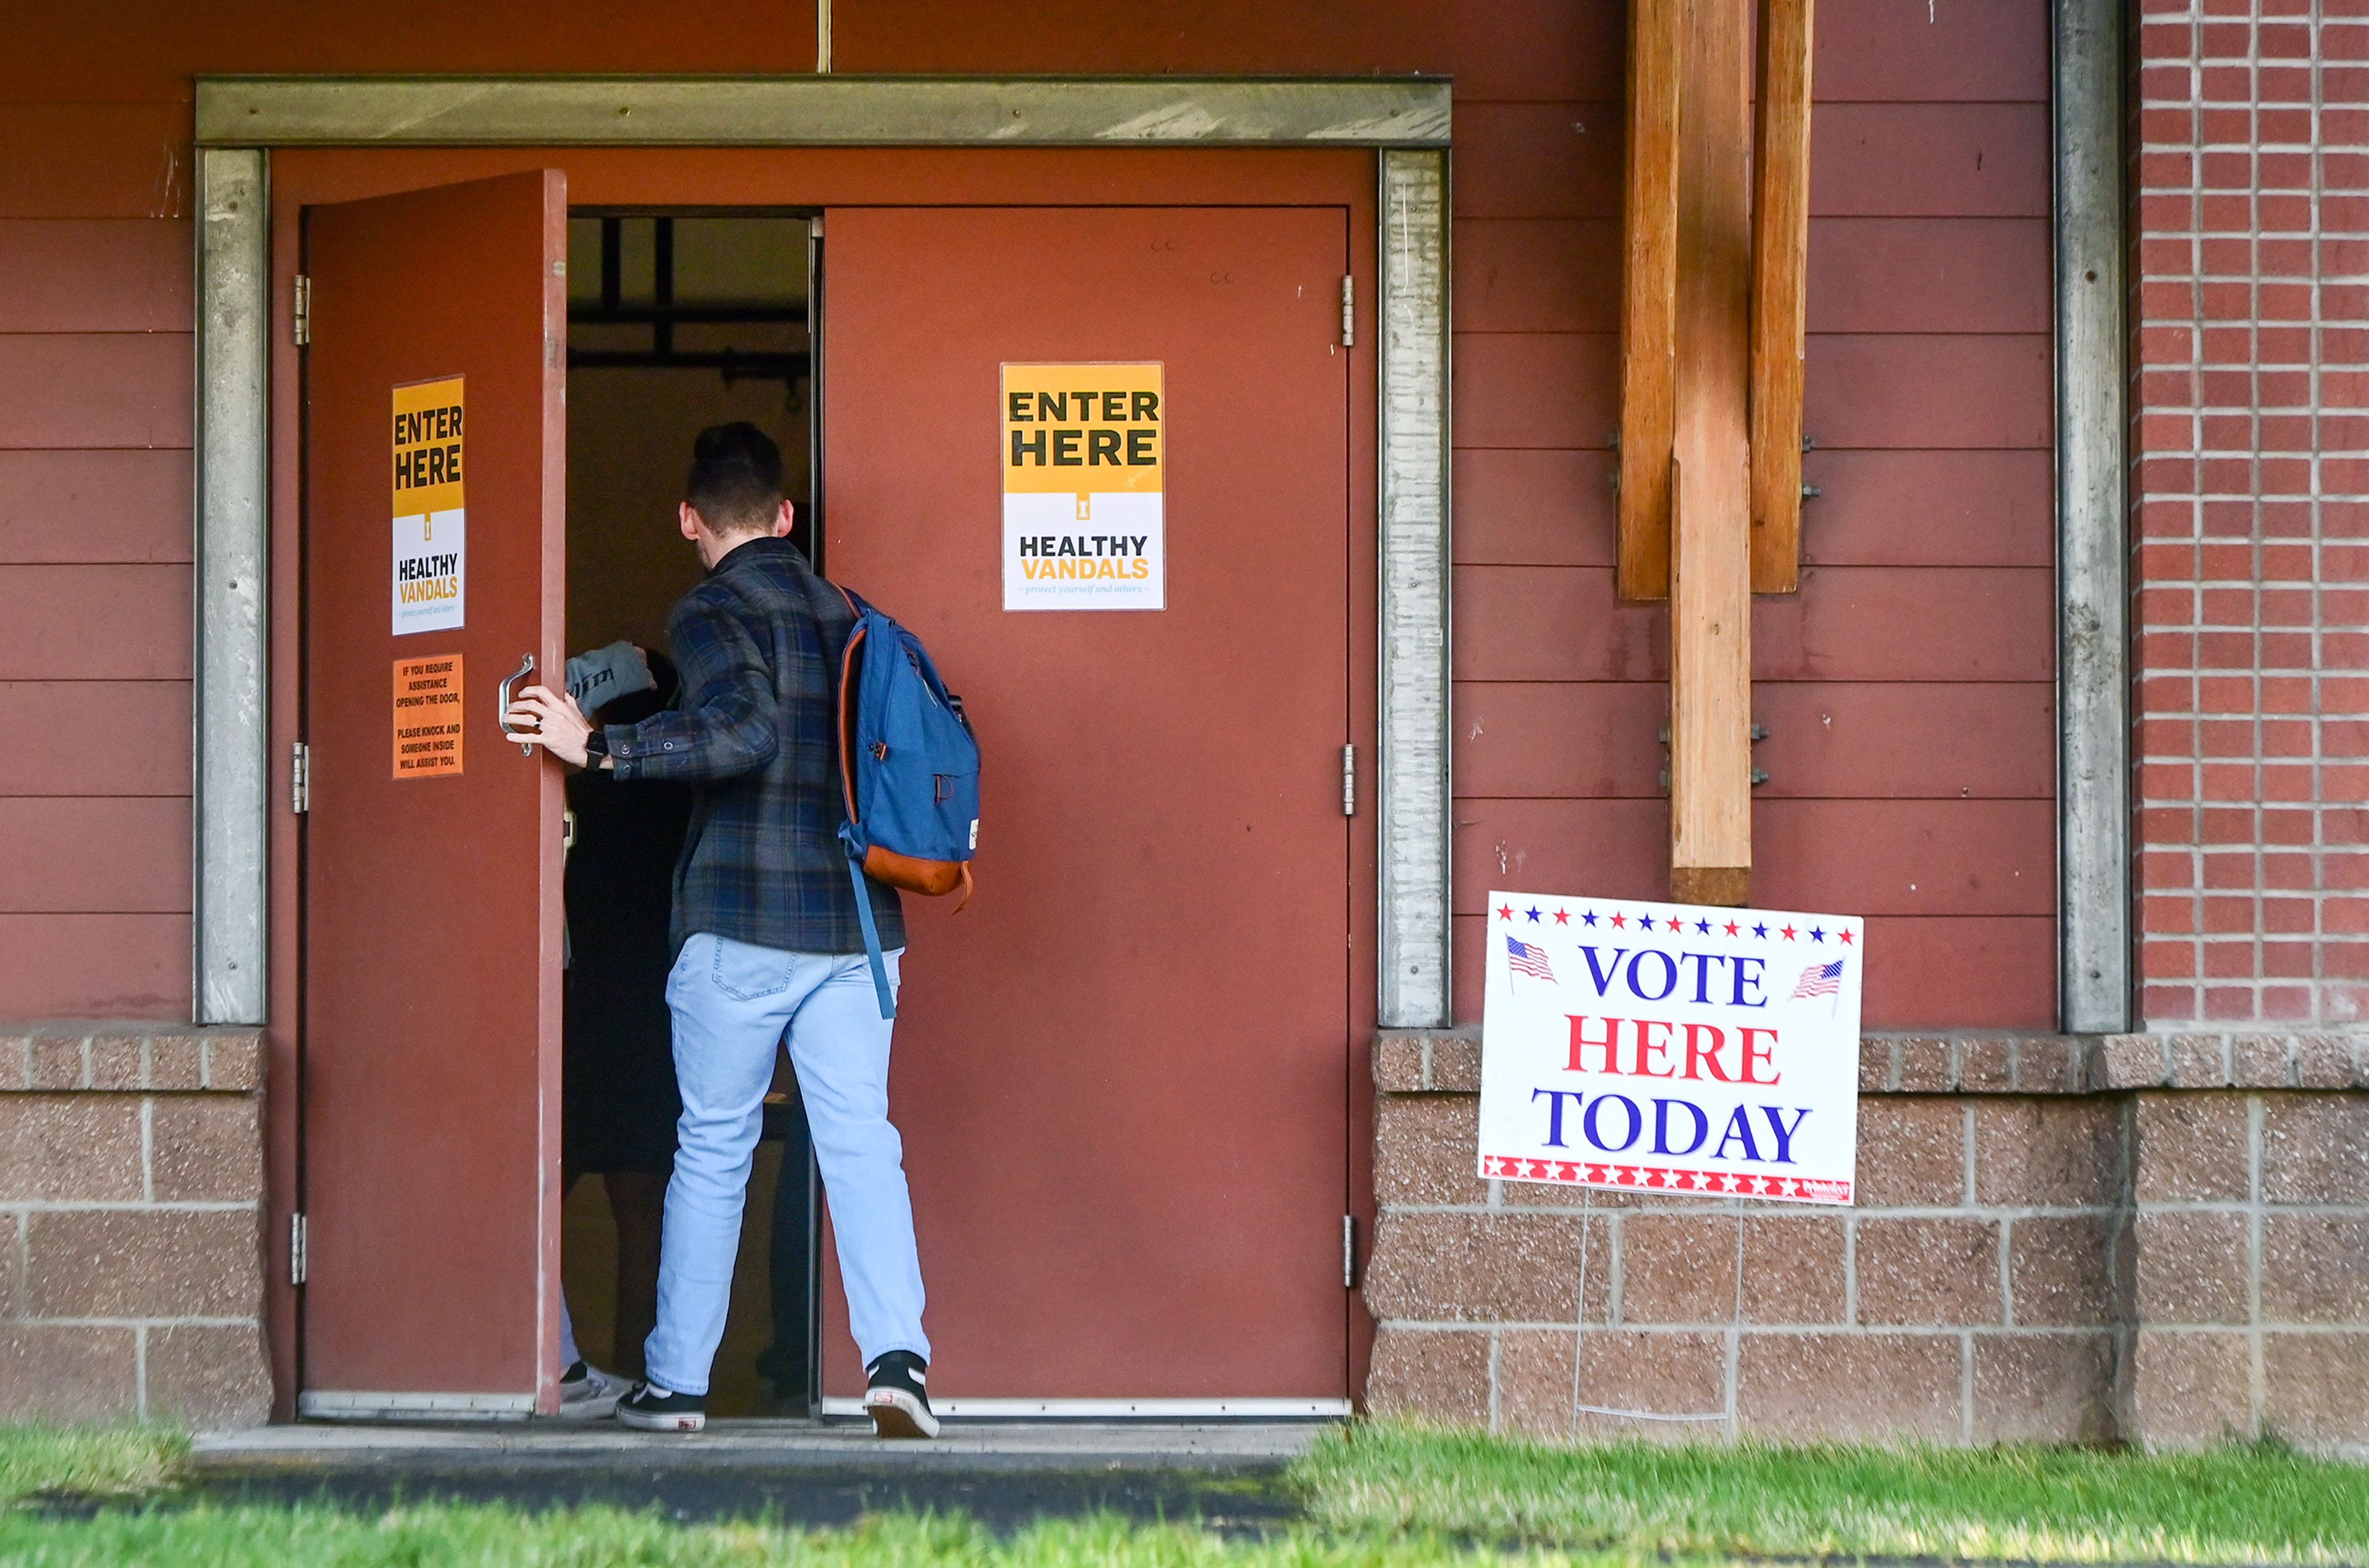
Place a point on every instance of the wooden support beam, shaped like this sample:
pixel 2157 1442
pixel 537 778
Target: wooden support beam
pixel 1649 298
pixel 1710 547
pixel 1780 248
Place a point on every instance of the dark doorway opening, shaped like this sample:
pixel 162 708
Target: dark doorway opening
pixel 677 320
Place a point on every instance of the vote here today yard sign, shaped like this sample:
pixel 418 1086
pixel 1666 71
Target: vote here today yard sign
pixel 1671 1048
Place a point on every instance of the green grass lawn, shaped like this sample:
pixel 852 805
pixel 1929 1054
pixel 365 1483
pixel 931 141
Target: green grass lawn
pixel 1378 1495
pixel 100 1461
pixel 2232 1505
pixel 451 1537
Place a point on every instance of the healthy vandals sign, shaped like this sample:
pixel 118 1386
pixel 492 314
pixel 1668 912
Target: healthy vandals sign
pixel 431 523
pixel 1084 480
pixel 1667 1047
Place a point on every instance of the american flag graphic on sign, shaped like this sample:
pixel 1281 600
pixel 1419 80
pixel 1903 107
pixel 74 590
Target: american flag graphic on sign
pixel 1820 979
pixel 1528 959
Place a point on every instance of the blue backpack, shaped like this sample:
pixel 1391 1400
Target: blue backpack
pixel 908 767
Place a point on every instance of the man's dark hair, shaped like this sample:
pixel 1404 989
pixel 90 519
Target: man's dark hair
pixel 735 478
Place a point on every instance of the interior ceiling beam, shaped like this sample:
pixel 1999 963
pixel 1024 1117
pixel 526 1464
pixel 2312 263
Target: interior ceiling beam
pixel 1781 250
pixel 1711 536
pixel 819 111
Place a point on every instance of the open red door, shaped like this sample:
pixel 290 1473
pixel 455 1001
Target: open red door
pixel 435 450
pixel 1122 1075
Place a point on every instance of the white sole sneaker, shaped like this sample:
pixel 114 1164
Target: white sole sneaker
pixel 594 1400
pixel 646 1421
pixel 895 1413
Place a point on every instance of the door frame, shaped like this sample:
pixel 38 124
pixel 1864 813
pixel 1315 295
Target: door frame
pixel 241 331
pixel 241 118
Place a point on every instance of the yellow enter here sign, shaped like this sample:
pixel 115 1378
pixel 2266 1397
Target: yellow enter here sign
pixel 1082 429
pixel 428 446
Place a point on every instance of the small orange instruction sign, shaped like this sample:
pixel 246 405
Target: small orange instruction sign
pixel 426 716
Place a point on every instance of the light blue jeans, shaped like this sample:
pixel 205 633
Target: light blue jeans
pixel 733 1002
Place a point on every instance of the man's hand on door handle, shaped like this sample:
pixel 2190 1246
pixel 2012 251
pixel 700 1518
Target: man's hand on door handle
pixel 559 726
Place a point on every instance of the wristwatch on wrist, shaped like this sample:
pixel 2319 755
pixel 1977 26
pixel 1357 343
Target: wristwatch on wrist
pixel 596 745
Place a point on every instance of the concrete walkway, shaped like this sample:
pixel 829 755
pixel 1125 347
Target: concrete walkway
pixel 1003 1474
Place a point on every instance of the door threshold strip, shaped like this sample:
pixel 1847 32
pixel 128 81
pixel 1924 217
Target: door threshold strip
pixel 1117 1409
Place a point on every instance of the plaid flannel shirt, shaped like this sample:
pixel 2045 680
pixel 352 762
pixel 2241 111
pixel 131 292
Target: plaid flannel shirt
pixel 757 644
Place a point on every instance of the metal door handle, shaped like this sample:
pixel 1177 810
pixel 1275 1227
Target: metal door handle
pixel 502 713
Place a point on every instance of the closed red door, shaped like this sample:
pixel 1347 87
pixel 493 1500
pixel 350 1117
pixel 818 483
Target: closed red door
pixel 1121 1075
pixel 434 510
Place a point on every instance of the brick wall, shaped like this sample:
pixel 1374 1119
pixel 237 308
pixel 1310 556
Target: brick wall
pixel 2151 1238
pixel 131 1266
pixel 2250 407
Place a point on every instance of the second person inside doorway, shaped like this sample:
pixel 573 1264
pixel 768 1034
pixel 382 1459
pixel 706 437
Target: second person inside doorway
pixel 619 1096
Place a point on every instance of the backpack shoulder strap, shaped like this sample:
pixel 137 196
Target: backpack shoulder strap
pixel 844 715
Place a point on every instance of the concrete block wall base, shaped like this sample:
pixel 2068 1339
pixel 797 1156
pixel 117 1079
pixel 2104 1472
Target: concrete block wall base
pixel 131 1201
pixel 2057 1240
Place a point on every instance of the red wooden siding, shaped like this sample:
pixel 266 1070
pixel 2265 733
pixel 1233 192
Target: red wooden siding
pixel 1884 51
pixel 1930 160
pixel 146 50
pixel 1891 741
pixel 1909 685
pixel 1867 275
pixel 1507 49
pixel 94 545
pixel 96 389
pixel 97 738
pixel 1884 857
pixel 96 855
pixel 80 965
pixel 1889 274
pixel 1538 160
pixel 1539 506
pixel 92 160
pixel 95 275
pixel 105 505
pixel 1847 623
pixel 95 623
pixel 1967 508
pixel 1553 506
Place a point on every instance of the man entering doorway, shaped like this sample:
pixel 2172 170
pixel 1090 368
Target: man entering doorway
pixel 769 942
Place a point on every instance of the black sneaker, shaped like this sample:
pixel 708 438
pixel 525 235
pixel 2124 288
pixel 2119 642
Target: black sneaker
pixel 899 1399
pixel 652 1409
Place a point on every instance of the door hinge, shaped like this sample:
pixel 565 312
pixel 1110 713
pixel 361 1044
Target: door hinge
pixel 1348 311
pixel 296 1247
pixel 1348 1252
pixel 303 314
pixel 300 779
pixel 1348 781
